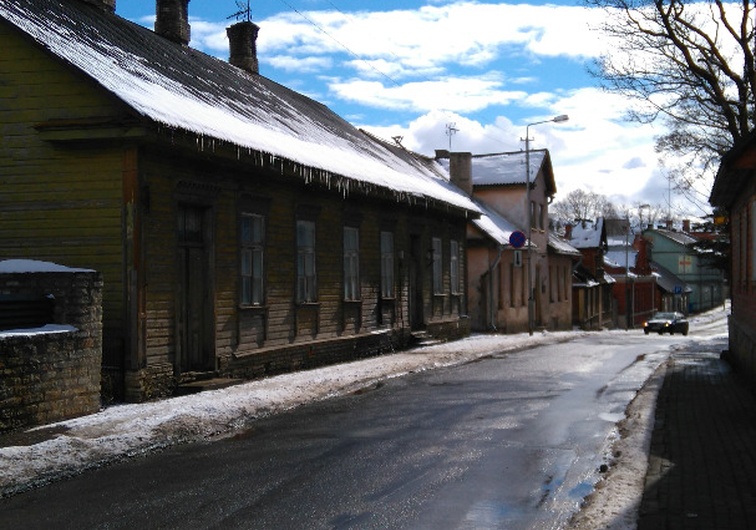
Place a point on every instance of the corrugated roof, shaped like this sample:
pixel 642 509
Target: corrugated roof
pixel 177 87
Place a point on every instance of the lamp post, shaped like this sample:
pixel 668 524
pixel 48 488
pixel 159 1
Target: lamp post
pixel 529 208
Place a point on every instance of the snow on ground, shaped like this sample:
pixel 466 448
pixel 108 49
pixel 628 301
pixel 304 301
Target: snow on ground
pixel 123 431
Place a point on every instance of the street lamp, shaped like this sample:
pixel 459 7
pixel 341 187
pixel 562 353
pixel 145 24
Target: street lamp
pixel 531 294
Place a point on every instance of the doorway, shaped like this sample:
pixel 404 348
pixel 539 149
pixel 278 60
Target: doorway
pixel 194 313
pixel 416 305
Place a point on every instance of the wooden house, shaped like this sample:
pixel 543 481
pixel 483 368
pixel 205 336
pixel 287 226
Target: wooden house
pixel 734 190
pixel 627 260
pixel 241 228
pixel 593 307
pixel 498 279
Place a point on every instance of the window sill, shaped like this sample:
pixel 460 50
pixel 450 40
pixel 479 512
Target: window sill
pixel 307 304
pixel 253 307
pixel 351 302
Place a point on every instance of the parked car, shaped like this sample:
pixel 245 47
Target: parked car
pixel 672 322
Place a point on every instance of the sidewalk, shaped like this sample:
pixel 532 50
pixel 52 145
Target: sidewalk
pixel 702 463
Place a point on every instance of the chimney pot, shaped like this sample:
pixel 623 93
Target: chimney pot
pixel 242 40
pixel 172 20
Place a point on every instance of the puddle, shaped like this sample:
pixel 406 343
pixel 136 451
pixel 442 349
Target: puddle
pixel 612 417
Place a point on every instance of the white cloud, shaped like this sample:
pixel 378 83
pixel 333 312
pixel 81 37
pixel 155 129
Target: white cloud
pixel 481 66
pixel 456 94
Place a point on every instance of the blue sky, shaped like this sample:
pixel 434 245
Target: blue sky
pixel 411 68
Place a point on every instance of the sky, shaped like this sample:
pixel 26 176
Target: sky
pixel 466 74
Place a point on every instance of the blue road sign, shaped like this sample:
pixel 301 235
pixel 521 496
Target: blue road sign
pixel 517 239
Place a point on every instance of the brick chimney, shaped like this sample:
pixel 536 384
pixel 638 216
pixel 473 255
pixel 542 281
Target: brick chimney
pixel 642 262
pixel 105 5
pixel 568 231
pixel 460 171
pixel 242 40
pixel 686 226
pixel 172 20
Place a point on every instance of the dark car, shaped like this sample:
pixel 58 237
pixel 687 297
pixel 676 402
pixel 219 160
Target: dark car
pixel 671 322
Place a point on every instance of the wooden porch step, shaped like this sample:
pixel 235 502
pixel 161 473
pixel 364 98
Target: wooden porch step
pixel 206 384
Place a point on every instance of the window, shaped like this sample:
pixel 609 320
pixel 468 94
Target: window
pixel 438 283
pixel 252 231
pixel 387 264
pixel 306 276
pixel 454 266
pixel 351 263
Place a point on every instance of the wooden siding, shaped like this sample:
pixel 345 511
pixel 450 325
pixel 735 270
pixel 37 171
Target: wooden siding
pixel 61 203
pixel 243 332
pixel 81 190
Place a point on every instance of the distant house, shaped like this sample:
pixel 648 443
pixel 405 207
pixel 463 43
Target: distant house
pixel 671 250
pixel 592 302
pixel 498 277
pixel 241 228
pixel 627 261
pixel 735 190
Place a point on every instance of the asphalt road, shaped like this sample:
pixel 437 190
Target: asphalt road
pixel 513 441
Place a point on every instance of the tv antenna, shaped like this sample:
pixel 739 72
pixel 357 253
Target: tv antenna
pixel 244 13
pixel 451 130
pixel 398 139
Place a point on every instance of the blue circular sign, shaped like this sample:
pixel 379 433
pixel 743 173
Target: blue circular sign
pixel 517 239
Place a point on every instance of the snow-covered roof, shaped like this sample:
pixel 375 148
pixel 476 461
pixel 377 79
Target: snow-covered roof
pixel 494 225
pixel 587 234
pixel 176 87
pixel 505 169
pixel 561 246
pixel 22 266
pixel 668 281
pixel 678 237
pixel 620 258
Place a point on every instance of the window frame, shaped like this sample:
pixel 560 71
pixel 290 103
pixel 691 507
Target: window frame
pixel 307 277
pixel 252 291
pixel 437 265
pixel 351 264
pixel 454 267
pixel 388 281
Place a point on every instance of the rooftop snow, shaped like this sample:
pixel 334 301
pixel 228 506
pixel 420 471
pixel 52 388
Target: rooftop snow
pixel 15 266
pixel 586 234
pixel 502 168
pixel 182 88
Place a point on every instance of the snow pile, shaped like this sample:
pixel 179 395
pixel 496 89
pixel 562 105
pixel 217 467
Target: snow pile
pixel 23 266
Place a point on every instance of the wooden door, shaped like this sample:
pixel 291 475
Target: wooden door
pixel 194 311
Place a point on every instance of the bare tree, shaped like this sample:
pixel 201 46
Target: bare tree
pixel 689 64
pixel 579 205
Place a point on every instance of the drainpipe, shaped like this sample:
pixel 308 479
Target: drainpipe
pixel 491 310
